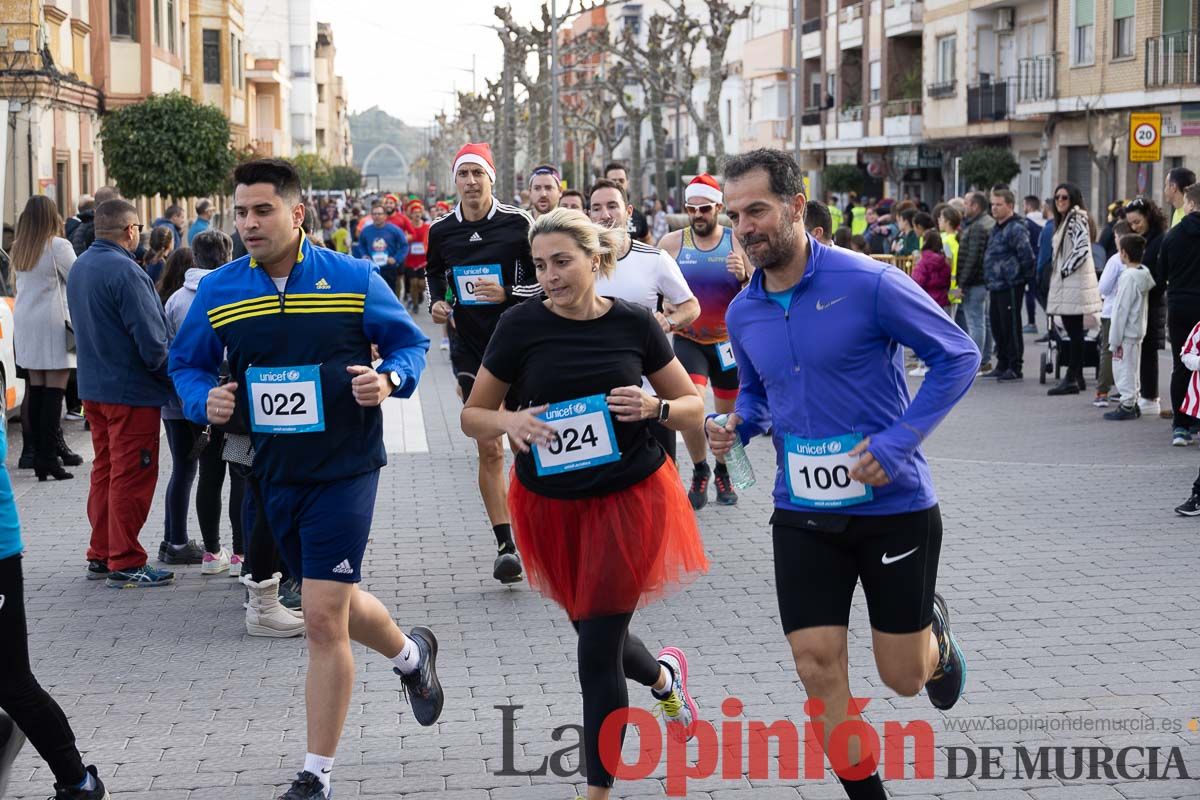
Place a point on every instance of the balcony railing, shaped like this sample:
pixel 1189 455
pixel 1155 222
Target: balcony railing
pixel 851 13
pixel 902 108
pixel 988 102
pixel 850 114
pixel 811 25
pixel 937 91
pixel 1171 59
pixel 1037 78
pixel 812 117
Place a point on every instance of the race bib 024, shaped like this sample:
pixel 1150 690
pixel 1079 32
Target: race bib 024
pixel 285 399
pixel 818 472
pixel 468 279
pixel 585 436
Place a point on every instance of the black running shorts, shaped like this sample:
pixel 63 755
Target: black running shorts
pixel 820 557
pixel 703 366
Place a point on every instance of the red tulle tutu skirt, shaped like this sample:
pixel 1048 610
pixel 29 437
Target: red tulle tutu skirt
pixel 612 554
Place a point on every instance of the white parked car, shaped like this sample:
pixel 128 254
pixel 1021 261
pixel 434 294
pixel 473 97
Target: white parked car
pixel 12 388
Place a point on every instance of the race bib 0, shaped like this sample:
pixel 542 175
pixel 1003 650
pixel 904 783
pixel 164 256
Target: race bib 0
pixel 417 249
pixel 725 356
pixel 818 472
pixel 467 280
pixel 585 436
pixel 285 399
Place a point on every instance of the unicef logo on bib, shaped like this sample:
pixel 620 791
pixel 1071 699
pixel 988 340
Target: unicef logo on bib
pixel 579 408
pixel 584 438
pixel 835 446
pixel 293 375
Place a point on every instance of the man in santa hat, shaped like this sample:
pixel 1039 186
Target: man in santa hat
pixel 481 251
pixel 716 269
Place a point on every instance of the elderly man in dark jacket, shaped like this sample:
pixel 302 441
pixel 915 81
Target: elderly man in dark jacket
pixel 83 234
pixel 973 237
pixel 1008 265
pixel 121 347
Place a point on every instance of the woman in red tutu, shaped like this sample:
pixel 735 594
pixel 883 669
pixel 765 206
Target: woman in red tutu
pixel 599 512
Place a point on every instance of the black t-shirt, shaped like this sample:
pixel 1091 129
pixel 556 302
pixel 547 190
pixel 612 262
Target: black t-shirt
pixel 549 359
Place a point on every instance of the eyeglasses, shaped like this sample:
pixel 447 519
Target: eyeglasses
pixel 1062 197
pixel 699 209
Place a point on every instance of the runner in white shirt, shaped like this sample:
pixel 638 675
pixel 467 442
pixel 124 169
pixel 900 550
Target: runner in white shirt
pixel 644 274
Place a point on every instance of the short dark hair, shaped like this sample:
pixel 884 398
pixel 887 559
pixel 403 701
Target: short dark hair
pixel 924 220
pixel 816 215
pixel 610 166
pixel 979 200
pixel 1121 227
pixel 782 170
pixel 1133 246
pixel 1006 195
pixel 203 206
pixel 605 183
pixel 378 205
pixel 211 248
pixel 111 216
pixel 841 237
pixel 275 171
pixel 1032 200
pixel 908 215
pixel 952 217
pixel 1182 177
pixel 575 193
pixel 173 210
pixel 933 241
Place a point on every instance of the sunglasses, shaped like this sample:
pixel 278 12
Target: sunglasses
pixel 1062 197
pixel 700 209
pixel 137 225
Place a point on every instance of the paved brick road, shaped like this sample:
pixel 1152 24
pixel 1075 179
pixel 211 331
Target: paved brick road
pixel 1072 585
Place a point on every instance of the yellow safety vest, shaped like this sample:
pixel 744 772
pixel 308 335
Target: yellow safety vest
pixel 858 221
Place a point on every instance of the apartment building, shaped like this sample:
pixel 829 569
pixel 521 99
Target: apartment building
pixel 333 126
pixel 52 107
pixel 281 37
pixel 217 65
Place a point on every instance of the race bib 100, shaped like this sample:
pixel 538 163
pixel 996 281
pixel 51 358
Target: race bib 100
pixel 468 279
pixel 818 472
pixel 285 399
pixel 585 436
pixel 725 355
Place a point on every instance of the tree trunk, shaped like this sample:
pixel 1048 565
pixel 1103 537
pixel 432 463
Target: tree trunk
pixel 508 134
pixel 658 139
pixel 635 146
pixel 712 109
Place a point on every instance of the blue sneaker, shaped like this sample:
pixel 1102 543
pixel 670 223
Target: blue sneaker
pixel 306 787
pixel 143 577
pixel 422 687
pixel 1181 437
pixel 948 681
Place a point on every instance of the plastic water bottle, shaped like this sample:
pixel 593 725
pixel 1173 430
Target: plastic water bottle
pixel 736 461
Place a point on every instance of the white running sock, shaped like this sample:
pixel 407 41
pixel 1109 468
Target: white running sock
pixel 409 658
pixel 670 687
pixel 321 766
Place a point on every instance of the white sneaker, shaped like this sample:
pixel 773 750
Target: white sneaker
pixel 1149 407
pixel 215 563
pixel 235 565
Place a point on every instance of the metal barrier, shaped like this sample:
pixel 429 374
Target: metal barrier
pixel 903 263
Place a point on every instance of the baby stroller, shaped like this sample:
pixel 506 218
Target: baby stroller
pixel 1054 359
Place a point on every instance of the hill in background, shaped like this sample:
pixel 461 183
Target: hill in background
pixel 373 127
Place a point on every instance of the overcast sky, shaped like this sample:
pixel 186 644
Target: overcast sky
pixel 408 57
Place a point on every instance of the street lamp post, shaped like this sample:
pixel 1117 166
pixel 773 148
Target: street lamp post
pixel 554 77
pixel 797 78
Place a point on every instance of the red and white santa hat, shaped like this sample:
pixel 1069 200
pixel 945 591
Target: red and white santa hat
pixel 476 153
pixel 703 187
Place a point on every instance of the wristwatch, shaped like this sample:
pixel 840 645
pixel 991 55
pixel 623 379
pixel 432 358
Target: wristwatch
pixel 395 380
pixel 664 410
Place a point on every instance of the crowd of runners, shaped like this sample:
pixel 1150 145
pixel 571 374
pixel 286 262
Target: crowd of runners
pixel 580 351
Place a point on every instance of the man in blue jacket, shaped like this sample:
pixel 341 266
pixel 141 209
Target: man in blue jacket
pixel 383 244
pixel 121 340
pixel 819 337
pixel 297 324
pixel 1008 264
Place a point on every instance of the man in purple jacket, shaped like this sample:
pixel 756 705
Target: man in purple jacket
pixel 818 336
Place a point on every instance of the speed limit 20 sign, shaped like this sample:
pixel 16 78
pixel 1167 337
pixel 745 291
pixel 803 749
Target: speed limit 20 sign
pixel 1145 137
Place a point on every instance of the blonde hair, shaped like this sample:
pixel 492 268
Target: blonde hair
pixel 592 239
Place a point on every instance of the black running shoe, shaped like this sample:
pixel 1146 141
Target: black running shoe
pixel 507 567
pixel 97 570
pixel 948 681
pixel 1190 507
pixel 97 792
pixel 421 686
pixel 726 496
pixel 11 742
pixel 306 787
pixel 190 553
pixel 698 494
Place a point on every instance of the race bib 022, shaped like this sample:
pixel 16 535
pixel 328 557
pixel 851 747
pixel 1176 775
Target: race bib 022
pixel 285 399
pixel 818 472
pixel 467 280
pixel 585 436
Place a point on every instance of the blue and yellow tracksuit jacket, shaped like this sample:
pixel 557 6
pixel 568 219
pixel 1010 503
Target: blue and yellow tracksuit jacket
pixel 333 308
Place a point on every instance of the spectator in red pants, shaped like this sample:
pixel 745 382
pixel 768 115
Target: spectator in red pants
pixel 121 343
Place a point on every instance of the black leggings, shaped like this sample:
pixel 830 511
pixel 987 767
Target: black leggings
pixel 181 438
pixel 263 557
pixel 1073 323
pixel 34 711
pixel 608 654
